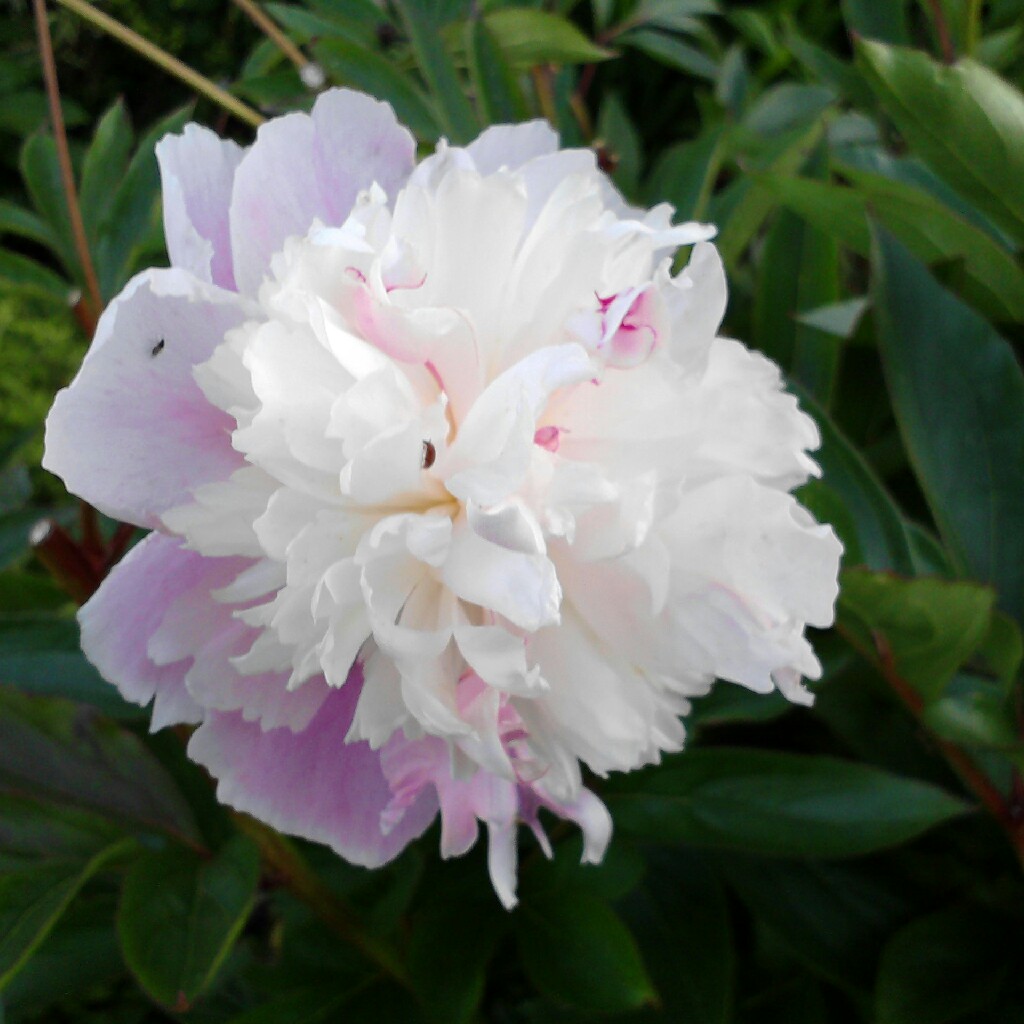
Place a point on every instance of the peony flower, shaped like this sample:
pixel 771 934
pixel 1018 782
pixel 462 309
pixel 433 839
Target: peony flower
pixel 453 490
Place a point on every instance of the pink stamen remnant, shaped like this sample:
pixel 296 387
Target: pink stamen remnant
pixel 548 438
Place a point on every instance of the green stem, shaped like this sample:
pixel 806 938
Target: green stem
pixel 194 80
pixel 972 35
pixel 284 861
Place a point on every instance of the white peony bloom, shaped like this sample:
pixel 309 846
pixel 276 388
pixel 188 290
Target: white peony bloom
pixel 487 448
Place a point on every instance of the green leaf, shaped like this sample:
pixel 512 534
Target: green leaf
pixel 617 131
pixel 449 973
pixel 27 275
pixel 78 956
pixel 989 276
pixel 834 917
pixel 180 914
pixel 42 654
pixel 498 93
pixel 16 220
pixel 680 916
pixel 747 203
pixel 958 396
pixel 438 70
pixel 31 830
pixel 840 319
pixel 32 901
pixel 685 174
pixel 887 21
pixel 40 170
pixel 881 539
pixel 773 803
pixel 53 750
pixel 941 967
pixel 132 229
pixel 671 51
pixel 355 65
pixel 529 36
pixel 980 719
pixel 799 271
pixel 920 630
pixel 106 162
pixel 964 120
pixel 576 950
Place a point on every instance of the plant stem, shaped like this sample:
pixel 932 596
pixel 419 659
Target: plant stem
pixel 541 75
pixel 164 60
pixel 942 30
pixel 67 172
pixel 973 32
pixel 971 775
pixel 280 855
pixel 309 72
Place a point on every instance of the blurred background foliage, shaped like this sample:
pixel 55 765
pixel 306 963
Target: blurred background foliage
pixel 857 862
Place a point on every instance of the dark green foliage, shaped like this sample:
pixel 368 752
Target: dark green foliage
pixel 858 862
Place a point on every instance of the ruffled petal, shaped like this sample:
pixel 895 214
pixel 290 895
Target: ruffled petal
pixel 306 167
pixel 120 619
pixel 311 784
pixel 197 170
pixel 133 434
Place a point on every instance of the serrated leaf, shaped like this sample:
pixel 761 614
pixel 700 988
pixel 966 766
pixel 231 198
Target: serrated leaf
pixel 964 120
pixel 774 803
pixel 180 914
pixel 921 630
pixel 958 395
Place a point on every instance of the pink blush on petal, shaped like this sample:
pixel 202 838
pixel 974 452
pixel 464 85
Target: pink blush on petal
pixel 548 438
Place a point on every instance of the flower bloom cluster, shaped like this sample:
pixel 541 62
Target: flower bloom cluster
pixel 452 487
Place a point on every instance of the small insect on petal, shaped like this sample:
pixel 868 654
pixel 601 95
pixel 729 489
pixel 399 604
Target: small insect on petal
pixel 429 455
pixel 157 348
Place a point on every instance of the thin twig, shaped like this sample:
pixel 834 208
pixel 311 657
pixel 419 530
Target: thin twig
pixel 541 75
pixel 67 172
pixel 193 79
pixel 942 30
pixel 973 33
pixel 309 71
pixel 971 775
pixel 284 861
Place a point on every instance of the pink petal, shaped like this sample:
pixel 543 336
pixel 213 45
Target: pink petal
pixel 197 170
pixel 119 619
pixel 133 434
pixel 307 167
pixel 310 784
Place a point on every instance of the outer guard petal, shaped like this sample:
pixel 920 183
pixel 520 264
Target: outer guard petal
pixel 307 167
pixel 133 434
pixel 311 784
pixel 120 618
pixel 197 170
